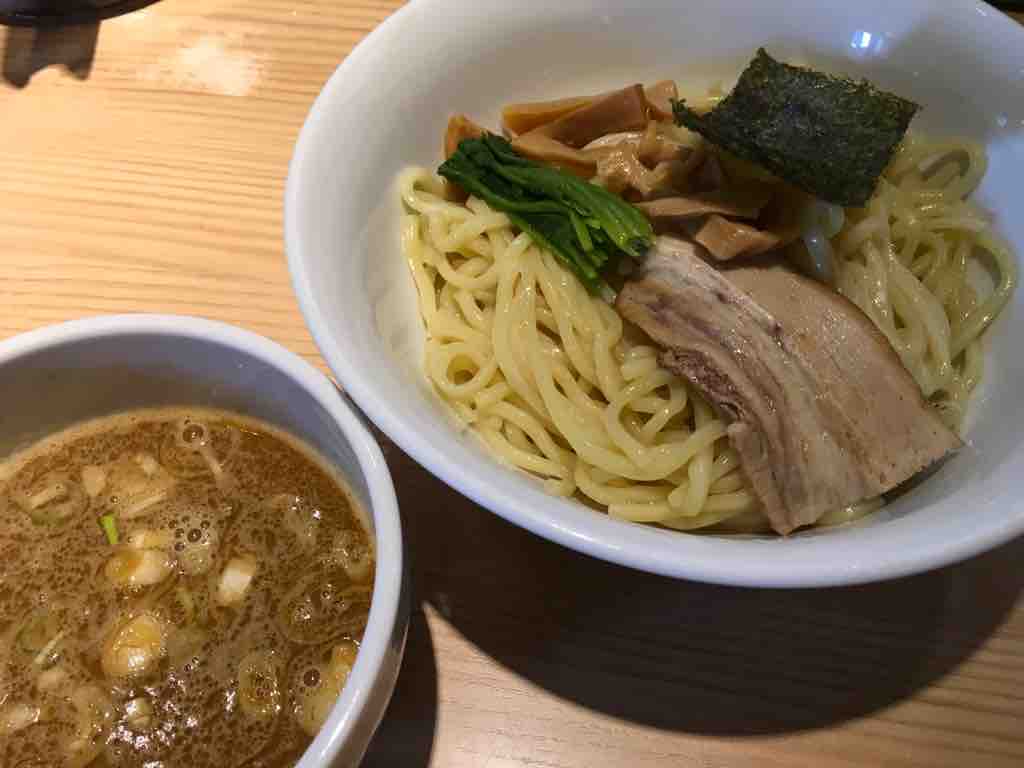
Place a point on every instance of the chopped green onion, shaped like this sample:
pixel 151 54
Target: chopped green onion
pixel 109 525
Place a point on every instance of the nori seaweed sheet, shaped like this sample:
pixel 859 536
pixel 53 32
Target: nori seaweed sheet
pixel 830 136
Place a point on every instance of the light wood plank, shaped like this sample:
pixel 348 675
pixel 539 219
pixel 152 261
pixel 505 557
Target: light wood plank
pixel 155 184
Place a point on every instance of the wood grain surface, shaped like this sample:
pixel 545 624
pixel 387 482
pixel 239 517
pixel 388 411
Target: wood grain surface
pixel 142 165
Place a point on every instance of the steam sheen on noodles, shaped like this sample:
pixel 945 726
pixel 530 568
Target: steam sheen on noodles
pixel 546 374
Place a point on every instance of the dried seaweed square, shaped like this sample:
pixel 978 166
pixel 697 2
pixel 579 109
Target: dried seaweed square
pixel 830 136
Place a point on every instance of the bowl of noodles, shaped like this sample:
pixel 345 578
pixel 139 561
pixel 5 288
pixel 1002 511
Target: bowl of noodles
pixel 726 294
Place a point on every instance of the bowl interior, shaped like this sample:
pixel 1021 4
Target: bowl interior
pixel 57 386
pixel 66 374
pixel 382 112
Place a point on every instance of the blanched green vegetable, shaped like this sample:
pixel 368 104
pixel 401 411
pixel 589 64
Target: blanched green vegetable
pixel 584 225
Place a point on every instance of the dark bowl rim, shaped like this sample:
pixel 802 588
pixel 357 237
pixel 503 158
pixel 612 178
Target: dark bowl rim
pixel 75 16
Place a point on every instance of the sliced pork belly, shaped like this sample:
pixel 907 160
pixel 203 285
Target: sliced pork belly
pixel 822 413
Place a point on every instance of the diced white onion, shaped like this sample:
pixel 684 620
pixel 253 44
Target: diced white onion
pixel 135 647
pixel 138 714
pixel 148 539
pixel 137 567
pixel 235 580
pixel 148 463
pixel 94 480
pixel 17 716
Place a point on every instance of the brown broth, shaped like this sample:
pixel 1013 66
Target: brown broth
pixel 135 654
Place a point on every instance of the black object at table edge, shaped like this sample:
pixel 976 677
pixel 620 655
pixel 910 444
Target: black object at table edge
pixel 78 15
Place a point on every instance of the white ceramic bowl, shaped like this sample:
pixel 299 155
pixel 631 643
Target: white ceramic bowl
pixel 57 376
pixel 386 107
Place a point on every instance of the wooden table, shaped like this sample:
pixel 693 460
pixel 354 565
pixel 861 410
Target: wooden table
pixel 146 174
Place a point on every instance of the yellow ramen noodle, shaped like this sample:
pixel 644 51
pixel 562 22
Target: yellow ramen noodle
pixel 546 374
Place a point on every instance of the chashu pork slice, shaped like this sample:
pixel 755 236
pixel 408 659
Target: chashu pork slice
pixel 822 412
